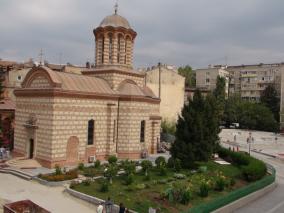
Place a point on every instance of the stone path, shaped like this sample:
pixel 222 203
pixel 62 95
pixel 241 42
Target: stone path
pixel 51 198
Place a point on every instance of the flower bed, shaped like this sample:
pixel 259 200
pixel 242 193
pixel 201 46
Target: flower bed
pixel 59 175
pixel 164 188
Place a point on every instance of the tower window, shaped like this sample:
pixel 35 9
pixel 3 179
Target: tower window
pixel 91 127
pixel 119 47
pixel 110 48
pixel 142 131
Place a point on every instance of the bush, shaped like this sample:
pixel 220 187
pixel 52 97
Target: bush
pixel 97 164
pixel 254 171
pixel 81 166
pixel 162 171
pixel 140 186
pixel 202 169
pixel 186 197
pixel 128 179
pixel 104 186
pixel 72 185
pixel 160 161
pixel 232 181
pixel 220 184
pixel 87 182
pixel 58 170
pixel 203 189
pixel 112 159
pixel 240 159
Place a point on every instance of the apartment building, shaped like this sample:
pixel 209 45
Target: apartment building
pixel 206 78
pixel 250 80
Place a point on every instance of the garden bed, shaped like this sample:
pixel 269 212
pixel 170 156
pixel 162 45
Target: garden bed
pixel 142 193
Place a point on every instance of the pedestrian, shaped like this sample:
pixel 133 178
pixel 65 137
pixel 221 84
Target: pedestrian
pixel 100 208
pixel 108 205
pixel 121 208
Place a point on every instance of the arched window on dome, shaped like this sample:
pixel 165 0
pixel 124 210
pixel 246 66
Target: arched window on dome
pixel 119 47
pixel 110 47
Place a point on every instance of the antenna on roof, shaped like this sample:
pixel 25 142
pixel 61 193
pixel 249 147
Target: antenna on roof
pixel 116 7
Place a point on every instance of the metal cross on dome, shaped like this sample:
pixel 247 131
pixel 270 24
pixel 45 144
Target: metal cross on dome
pixel 116 7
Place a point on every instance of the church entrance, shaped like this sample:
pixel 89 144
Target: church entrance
pixel 31 151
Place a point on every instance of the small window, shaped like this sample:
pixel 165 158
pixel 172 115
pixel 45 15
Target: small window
pixel 19 78
pixel 142 131
pixel 91 125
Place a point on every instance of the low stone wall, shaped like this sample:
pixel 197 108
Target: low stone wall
pixel 51 183
pixel 91 199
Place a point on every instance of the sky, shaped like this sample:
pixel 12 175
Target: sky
pixel 175 32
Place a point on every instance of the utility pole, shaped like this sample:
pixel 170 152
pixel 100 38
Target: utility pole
pixel 159 65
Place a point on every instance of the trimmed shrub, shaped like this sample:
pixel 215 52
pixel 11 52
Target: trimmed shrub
pixel 112 159
pixel 162 171
pixel 160 161
pixel 81 166
pixel 146 166
pixel 171 163
pixel 254 171
pixel 97 164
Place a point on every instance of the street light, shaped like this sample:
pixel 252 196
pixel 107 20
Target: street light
pixel 249 141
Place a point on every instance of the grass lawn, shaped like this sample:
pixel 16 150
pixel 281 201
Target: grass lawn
pixel 141 199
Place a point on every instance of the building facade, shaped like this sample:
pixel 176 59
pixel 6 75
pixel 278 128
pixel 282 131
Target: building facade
pixel 250 80
pixel 167 84
pixel 206 79
pixel 65 118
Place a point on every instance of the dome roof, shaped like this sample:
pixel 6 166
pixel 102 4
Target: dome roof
pixel 115 21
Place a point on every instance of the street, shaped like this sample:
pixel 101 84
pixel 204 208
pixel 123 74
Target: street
pixel 274 201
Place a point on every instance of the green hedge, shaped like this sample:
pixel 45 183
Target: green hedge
pixel 239 193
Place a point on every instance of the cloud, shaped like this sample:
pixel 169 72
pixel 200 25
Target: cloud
pixel 175 32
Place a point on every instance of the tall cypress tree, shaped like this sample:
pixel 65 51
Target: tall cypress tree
pixel 197 131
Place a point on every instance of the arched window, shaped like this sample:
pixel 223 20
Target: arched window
pixel 119 47
pixel 125 57
pixel 142 131
pixel 110 47
pixel 91 128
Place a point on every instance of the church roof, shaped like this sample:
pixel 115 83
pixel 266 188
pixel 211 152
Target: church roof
pixel 129 87
pixel 115 21
pixel 70 81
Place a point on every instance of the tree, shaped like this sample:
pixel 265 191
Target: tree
pixel 146 166
pixel 111 171
pixel 196 131
pixel 189 74
pixel 270 98
pixel 220 95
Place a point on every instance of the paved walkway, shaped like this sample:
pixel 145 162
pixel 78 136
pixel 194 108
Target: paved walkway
pixel 51 198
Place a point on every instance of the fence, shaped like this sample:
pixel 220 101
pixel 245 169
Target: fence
pixel 237 194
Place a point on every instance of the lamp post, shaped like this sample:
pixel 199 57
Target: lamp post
pixel 249 141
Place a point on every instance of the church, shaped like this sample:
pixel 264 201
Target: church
pixel 64 118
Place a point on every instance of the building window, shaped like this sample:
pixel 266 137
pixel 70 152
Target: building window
pixel 19 77
pixel 110 48
pixel 91 126
pixel 114 130
pixel 119 47
pixel 142 131
pixel 207 80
